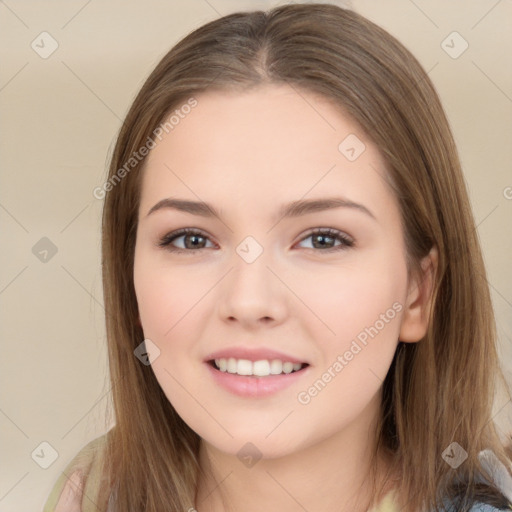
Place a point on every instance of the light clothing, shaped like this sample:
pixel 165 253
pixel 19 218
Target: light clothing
pixel 66 495
pixel 387 504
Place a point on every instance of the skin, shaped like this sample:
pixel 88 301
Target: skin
pixel 247 154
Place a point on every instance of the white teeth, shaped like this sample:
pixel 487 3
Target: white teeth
pixel 232 366
pixel 260 368
pixel 244 367
pixel 222 364
pixel 287 367
pixel 276 367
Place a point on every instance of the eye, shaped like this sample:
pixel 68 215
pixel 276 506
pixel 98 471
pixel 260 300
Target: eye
pixel 324 238
pixel 193 240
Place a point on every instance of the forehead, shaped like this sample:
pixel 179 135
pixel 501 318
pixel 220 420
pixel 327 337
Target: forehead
pixel 270 142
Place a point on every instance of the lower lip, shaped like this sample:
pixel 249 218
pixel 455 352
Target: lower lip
pixel 255 387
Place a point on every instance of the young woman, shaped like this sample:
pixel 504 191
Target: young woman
pixel 297 311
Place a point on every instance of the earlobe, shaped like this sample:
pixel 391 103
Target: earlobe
pixel 416 317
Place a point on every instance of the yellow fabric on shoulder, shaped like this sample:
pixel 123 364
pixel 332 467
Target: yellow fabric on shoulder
pixel 81 477
pixel 387 504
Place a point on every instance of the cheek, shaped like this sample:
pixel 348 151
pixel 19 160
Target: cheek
pixel 347 299
pixel 166 295
pixel 169 301
pixel 361 310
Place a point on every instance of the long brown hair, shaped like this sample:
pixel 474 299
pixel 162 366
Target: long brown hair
pixel 437 391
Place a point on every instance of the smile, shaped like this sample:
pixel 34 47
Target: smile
pixel 261 368
pixel 255 379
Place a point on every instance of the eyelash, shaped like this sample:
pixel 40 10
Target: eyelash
pixel 346 242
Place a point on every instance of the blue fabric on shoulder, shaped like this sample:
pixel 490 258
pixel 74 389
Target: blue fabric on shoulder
pixel 484 507
pixel 500 478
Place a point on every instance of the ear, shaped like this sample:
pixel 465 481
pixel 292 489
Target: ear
pixel 416 315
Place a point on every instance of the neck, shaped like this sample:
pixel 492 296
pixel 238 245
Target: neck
pixel 331 475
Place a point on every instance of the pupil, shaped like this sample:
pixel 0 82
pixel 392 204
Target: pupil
pixel 194 237
pixel 322 238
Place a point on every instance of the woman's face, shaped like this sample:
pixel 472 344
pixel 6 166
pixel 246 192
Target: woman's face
pixel 253 284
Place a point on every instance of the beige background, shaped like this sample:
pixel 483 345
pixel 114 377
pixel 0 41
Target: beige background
pixel 59 119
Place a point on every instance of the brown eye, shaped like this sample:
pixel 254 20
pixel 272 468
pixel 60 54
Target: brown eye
pixel 325 239
pixel 192 240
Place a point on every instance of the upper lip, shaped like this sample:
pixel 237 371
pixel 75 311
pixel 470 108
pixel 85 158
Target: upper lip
pixel 253 354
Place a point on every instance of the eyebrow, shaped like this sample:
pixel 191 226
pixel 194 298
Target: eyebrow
pixel 293 209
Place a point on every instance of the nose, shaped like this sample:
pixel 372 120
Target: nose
pixel 253 294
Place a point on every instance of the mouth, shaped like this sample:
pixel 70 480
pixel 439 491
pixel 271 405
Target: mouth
pixel 257 377
pixel 262 368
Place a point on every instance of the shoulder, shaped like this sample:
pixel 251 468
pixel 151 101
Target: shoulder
pixel 70 498
pixel 477 506
pixel 484 507
pixel 67 492
pixel 499 476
